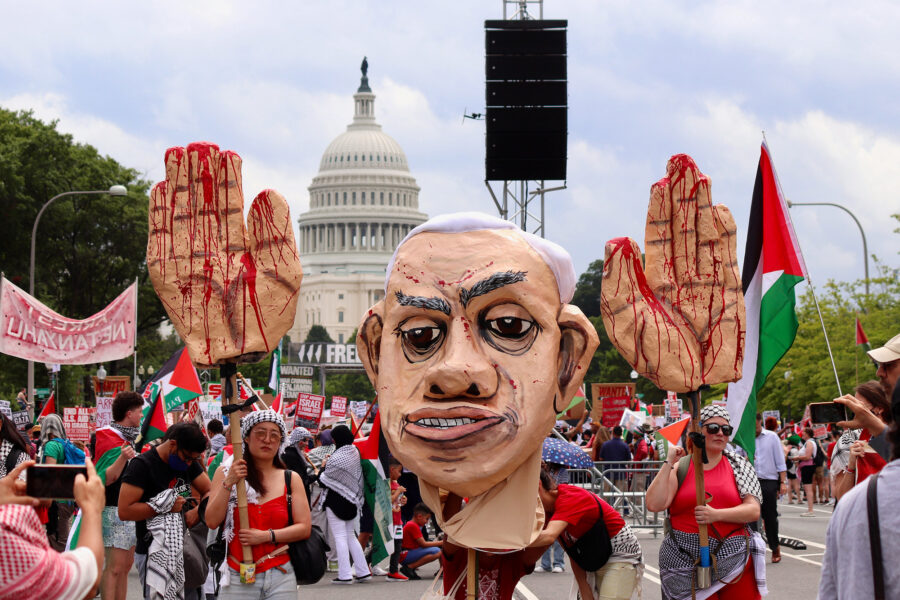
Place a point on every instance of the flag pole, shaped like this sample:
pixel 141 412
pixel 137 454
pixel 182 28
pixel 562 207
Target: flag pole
pixel 856 349
pixel 136 296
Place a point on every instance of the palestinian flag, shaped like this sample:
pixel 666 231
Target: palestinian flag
pixel 184 385
pixel 224 457
pixel 162 377
pixel 773 265
pixel 278 404
pixel 669 436
pixel 275 370
pixel 153 421
pixel 861 340
pixel 49 407
pixel 374 453
pixel 107 450
pixel 578 399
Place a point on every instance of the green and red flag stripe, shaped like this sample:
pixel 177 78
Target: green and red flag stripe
pixel 153 420
pixel 184 383
pixel 773 265
pixel 374 453
pixel 861 340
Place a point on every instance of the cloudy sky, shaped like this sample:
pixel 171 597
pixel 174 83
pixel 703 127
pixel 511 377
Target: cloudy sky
pixel 648 79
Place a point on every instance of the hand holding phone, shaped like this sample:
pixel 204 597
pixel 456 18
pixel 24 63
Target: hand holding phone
pixel 53 482
pixel 12 489
pixel 827 412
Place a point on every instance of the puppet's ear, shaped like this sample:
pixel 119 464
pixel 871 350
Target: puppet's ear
pixel 368 340
pixel 577 343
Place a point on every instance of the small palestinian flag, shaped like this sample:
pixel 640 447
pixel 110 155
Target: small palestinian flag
pixel 669 436
pixel 861 340
pixel 185 383
pixel 576 400
pixel 224 457
pixel 49 407
pixel 153 421
pixel 374 453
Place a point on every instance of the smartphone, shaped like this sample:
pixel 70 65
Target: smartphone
pixel 53 482
pixel 827 412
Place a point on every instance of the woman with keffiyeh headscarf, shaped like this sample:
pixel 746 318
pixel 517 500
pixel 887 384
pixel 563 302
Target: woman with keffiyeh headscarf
pixel 343 497
pixel 52 451
pixel 271 527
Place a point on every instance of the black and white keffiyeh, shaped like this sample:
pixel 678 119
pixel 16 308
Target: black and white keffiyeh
pixel 5 448
pixel 840 459
pixel 262 416
pixel 299 434
pixel 744 476
pixel 129 433
pixel 343 475
pixel 714 410
pixel 165 560
pixel 678 556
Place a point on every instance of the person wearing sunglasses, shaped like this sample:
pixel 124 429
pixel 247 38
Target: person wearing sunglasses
pixel 733 502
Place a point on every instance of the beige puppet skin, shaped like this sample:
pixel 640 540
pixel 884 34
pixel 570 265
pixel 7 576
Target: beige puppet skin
pixel 472 354
pixel 678 318
pixel 230 289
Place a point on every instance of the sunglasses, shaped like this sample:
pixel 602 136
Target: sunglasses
pixel 715 428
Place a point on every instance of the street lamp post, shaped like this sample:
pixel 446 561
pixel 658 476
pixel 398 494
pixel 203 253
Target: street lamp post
pixel 115 190
pixel 861 232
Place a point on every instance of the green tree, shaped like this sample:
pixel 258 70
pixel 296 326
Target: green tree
pixel 89 248
pixel 317 333
pixel 587 291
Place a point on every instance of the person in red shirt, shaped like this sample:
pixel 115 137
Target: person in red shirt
pixel 398 499
pixel 571 513
pixel 419 550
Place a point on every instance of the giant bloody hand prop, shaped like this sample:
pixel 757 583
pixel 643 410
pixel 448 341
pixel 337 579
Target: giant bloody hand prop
pixel 679 321
pixel 230 290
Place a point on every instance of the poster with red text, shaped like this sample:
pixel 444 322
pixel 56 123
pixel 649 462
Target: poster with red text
pixel 610 402
pixel 338 406
pixel 79 423
pixel 309 411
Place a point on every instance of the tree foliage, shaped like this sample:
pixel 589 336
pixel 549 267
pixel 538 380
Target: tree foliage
pixel 89 248
pixel 317 333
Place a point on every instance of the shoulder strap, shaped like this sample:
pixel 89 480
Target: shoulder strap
pixel 684 463
pixel 287 484
pixel 875 537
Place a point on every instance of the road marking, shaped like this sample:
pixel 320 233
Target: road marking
pixel 525 592
pixel 650 577
pixel 803 508
pixel 813 554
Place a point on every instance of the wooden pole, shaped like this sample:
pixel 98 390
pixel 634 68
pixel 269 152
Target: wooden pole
pixel 703 569
pixel 228 373
pixel 472 574
pixel 368 411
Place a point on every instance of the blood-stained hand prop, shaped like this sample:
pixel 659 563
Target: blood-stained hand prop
pixel 679 320
pixel 230 289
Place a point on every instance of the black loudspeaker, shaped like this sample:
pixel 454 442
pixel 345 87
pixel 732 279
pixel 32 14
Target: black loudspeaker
pixel 526 98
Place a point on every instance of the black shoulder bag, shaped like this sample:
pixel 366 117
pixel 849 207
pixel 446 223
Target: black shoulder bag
pixel 875 538
pixel 592 550
pixel 307 556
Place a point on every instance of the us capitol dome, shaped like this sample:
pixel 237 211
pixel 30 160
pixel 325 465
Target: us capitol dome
pixel 362 203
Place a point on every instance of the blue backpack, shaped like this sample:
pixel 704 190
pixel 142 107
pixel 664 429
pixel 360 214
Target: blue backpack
pixel 72 455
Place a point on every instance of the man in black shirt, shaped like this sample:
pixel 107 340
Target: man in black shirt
pixel 171 465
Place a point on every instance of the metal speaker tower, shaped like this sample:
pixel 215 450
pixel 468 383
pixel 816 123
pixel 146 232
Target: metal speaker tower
pixel 526 101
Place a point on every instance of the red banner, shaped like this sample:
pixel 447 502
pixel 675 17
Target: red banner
pixel 112 385
pixel 338 406
pixel 32 331
pixel 610 401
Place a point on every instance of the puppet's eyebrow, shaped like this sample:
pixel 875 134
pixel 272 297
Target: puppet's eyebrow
pixel 434 303
pixel 486 286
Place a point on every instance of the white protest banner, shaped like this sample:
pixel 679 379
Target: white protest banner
pixel 6 408
pixel 631 420
pixel 32 331
pixel 79 423
pixel 103 416
pixel 210 410
pixel 338 406
pixel 309 411
pixel 358 409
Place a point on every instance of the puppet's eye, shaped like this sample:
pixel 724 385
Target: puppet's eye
pixel 509 328
pixel 420 338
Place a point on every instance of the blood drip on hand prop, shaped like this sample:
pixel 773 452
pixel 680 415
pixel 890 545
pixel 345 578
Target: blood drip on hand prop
pixel 230 289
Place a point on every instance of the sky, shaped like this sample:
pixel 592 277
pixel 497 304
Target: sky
pixel 274 82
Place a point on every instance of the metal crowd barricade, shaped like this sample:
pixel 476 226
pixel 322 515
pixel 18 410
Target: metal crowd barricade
pixel 623 485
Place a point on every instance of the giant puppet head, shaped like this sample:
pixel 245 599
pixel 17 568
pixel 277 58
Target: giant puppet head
pixel 474 349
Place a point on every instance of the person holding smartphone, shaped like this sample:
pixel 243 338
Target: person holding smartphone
pixel 854 457
pixel 29 567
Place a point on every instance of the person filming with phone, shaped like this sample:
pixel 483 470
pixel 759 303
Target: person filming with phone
pixel 29 567
pixel 854 457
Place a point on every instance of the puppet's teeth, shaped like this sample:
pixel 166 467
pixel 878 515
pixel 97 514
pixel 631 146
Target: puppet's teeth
pixel 444 423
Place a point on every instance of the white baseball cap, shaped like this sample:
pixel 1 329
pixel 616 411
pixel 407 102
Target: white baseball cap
pixel 887 353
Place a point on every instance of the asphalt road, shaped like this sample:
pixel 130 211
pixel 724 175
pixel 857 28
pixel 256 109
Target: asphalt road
pixel 795 578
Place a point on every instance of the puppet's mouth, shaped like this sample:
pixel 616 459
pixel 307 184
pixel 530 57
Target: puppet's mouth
pixel 450 423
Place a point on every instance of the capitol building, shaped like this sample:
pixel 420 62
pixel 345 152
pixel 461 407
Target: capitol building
pixel 362 203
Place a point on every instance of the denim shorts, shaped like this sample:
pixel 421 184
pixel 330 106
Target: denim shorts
pixel 116 532
pixel 417 553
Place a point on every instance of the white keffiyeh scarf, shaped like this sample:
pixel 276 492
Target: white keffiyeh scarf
pixel 343 474
pixel 165 560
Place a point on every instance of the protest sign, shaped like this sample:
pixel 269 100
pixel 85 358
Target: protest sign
pixel 610 401
pixel 338 406
pixel 103 417
pixel 6 408
pixel 79 423
pixel 309 411
pixel 358 409
pixel 631 420
pixel 296 379
pixel 111 385
pixel 32 331
pixel 21 420
pixel 210 410
pixel 771 413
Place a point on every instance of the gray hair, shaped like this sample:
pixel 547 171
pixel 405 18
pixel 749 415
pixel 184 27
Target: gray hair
pixel 555 256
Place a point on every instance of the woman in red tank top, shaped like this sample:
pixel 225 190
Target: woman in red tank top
pixel 733 500
pixel 263 474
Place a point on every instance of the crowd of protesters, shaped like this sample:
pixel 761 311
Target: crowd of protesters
pixel 164 508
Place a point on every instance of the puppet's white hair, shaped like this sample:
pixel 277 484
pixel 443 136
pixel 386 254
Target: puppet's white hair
pixel 554 255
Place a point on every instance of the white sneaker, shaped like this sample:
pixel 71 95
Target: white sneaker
pixel 558 570
pixel 376 570
pixel 539 569
pixel 807 514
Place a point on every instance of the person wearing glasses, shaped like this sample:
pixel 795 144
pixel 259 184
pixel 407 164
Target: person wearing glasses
pixel 167 479
pixel 733 502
